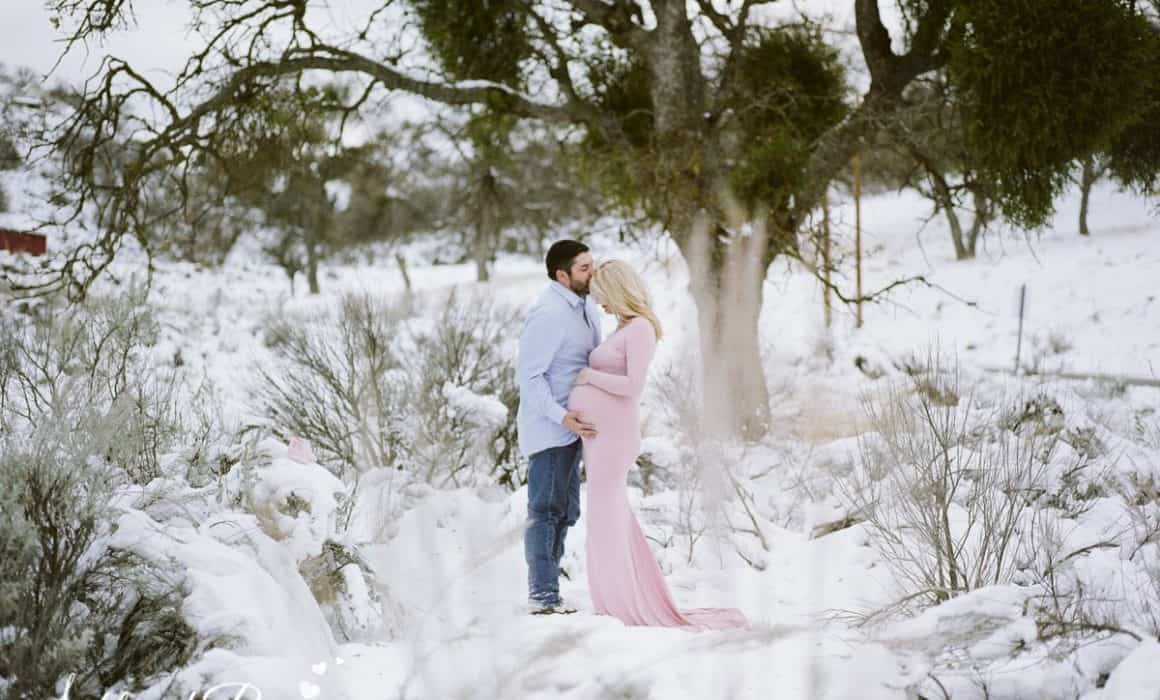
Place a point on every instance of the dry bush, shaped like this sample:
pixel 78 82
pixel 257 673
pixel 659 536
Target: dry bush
pixel 467 347
pixel 212 444
pixel 714 503
pixel 64 361
pixel 84 413
pixel 1075 605
pixel 373 386
pixel 341 384
pixel 70 605
pixel 945 487
pixel 679 412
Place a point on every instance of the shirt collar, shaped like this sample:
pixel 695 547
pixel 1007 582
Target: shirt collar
pixel 571 297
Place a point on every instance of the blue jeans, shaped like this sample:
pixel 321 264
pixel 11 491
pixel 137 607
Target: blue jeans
pixel 553 507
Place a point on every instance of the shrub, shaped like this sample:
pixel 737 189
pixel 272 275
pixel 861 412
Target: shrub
pixel 70 604
pixel 340 384
pixel 945 486
pixel 466 394
pixel 372 387
pixel 85 365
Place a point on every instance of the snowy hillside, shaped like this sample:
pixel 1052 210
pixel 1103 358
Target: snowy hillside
pixel 430 603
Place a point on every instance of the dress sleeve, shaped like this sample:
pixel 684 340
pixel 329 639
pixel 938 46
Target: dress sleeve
pixel 640 347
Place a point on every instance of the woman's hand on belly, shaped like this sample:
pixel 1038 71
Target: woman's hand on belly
pixel 582 378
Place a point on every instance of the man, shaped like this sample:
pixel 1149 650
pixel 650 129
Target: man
pixel 560 331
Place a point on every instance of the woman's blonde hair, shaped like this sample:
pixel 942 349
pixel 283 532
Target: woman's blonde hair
pixel 617 285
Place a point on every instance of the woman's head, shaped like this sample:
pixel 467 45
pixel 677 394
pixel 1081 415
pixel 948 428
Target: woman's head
pixel 619 289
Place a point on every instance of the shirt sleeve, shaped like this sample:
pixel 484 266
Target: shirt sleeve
pixel 641 344
pixel 539 343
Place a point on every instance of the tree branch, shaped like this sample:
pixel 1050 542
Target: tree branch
pixel 616 19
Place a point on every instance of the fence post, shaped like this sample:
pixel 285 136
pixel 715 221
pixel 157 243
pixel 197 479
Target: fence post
pixel 1019 340
pixel 858 234
pixel 826 255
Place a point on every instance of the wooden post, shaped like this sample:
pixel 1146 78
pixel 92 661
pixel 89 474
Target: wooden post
pixel 826 254
pixel 858 234
pixel 1019 338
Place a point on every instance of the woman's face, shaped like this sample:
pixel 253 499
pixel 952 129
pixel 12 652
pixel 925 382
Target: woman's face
pixel 600 301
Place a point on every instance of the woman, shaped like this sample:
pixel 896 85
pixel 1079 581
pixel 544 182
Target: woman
pixel 624 579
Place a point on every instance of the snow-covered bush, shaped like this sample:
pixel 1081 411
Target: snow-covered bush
pixel 340 383
pixel 70 603
pixel 465 394
pixel 373 387
pixel 87 363
pixel 301 508
pixel 946 482
pixel 85 417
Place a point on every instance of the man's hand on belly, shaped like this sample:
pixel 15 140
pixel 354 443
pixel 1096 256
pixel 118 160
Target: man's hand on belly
pixel 573 422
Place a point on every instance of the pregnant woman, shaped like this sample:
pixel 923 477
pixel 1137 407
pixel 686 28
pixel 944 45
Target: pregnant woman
pixel 624 579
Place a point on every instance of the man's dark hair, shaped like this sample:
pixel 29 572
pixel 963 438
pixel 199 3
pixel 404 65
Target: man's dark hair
pixel 561 255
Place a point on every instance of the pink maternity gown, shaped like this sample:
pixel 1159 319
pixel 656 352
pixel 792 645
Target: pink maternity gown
pixel 624 578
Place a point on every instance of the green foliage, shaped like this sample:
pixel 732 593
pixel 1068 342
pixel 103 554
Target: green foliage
pixel 621 86
pixel 269 132
pixel 611 157
pixel 1042 83
pixel 788 91
pixel 1134 152
pixel 477 39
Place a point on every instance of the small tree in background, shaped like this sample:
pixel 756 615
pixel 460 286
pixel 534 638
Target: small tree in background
pixel 1131 153
pixel 930 155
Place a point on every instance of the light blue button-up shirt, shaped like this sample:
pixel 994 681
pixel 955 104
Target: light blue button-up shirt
pixel 554 347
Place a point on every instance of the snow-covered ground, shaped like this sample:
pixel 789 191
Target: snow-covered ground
pixel 445 608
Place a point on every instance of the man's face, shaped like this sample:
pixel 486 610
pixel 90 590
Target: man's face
pixel 580 275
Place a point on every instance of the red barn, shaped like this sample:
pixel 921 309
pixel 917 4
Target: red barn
pixel 20 242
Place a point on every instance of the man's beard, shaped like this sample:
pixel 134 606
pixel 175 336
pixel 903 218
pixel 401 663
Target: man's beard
pixel 575 287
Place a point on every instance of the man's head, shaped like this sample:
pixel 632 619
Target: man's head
pixel 570 264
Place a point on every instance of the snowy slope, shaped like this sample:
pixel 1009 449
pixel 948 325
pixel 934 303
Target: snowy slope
pixel 451 577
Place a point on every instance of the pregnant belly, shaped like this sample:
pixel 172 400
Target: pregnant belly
pixel 617 423
pixel 601 408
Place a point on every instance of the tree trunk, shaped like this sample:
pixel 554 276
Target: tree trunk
pixel 486 226
pixel 319 224
pixel 482 273
pixel 726 282
pixel 312 261
pixel 945 200
pixel 982 220
pixel 1087 179
pixel 402 263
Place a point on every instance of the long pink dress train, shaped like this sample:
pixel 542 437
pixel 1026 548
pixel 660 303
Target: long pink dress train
pixel 624 578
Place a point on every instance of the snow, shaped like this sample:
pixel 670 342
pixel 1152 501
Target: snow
pixel 1138 676
pixel 312 518
pixel 449 564
pixel 242 587
pixel 438 609
pixel 485 411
